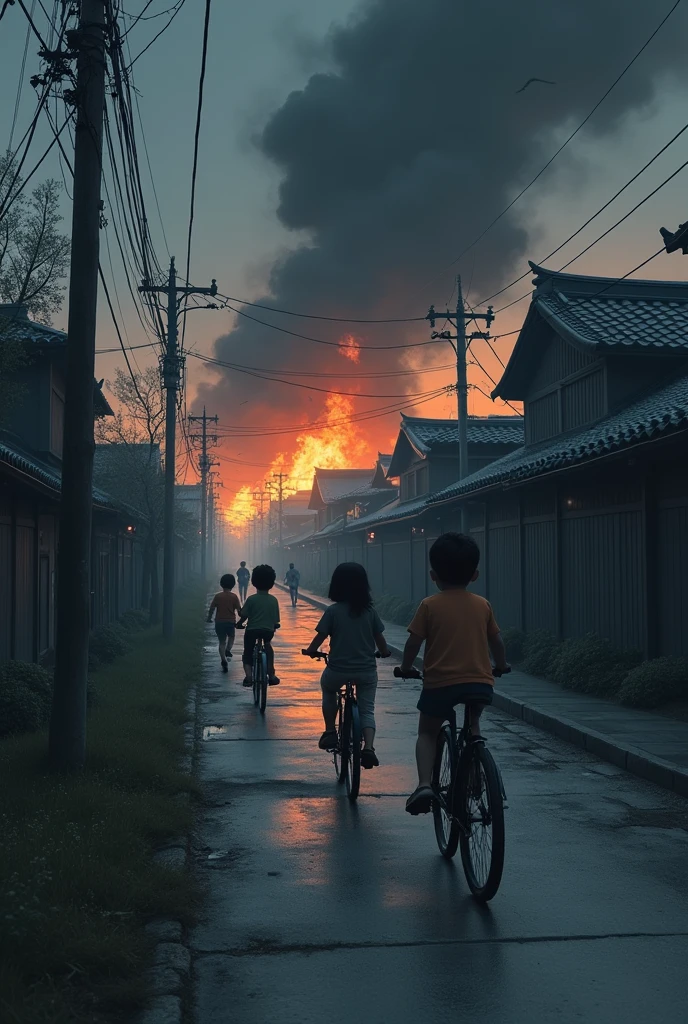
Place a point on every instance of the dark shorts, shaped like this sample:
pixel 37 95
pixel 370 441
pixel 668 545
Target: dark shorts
pixel 225 630
pixel 439 702
pixel 250 637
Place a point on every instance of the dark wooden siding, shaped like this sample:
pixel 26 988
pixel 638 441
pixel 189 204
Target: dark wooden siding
pixel 539 561
pixel 583 400
pixel 672 557
pixel 503 574
pixel 419 587
pixel 374 566
pixel 5 582
pixel 397 569
pixel 480 585
pixel 542 417
pixel 25 597
pixel 603 580
pixel 558 361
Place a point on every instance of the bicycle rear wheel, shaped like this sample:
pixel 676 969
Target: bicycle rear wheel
pixel 263 694
pixel 481 806
pixel 444 807
pixel 353 762
pixel 342 748
pixel 256 678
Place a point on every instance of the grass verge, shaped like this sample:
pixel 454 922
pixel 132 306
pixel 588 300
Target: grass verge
pixel 77 878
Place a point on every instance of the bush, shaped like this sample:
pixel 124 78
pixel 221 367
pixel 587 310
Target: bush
pixel 655 682
pixel 107 643
pixel 134 620
pixel 514 641
pixel 589 664
pixel 539 651
pixel 25 697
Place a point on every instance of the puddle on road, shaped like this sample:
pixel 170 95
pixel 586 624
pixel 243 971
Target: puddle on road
pixel 211 731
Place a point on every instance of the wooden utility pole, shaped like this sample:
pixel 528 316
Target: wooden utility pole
pixel 280 478
pixel 67 741
pixel 172 365
pixel 204 466
pixel 458 319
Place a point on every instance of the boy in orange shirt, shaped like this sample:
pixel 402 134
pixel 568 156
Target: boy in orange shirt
pixel 460 632
pixel 225 604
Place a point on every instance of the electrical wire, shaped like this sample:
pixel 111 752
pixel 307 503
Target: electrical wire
pixel 316 316
pixel 176 11
pixel 197 135
pixel 570 137
pixel 20 84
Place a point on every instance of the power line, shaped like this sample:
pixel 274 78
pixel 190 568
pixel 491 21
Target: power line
pixel 316 316
pixel 20 84
pixel 595 215
pixel 197 135
pixel 293 383
pixel 175 12
pixel 571 136
pixel 321 341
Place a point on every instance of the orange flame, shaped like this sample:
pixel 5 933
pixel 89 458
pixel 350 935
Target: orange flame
pixel 350 349
pixel 337 446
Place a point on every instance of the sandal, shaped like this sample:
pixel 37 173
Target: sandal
pixel 420 800
pixel 369 758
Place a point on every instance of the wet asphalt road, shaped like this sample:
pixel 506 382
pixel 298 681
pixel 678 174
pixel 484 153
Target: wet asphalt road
pixel 320 911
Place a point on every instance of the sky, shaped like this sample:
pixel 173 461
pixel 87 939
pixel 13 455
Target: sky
pixel 349 153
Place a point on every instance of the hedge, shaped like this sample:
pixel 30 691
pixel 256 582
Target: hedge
pixel 655 682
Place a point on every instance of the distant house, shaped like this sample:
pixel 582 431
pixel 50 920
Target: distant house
pixel 349 493
pixel 584 527
pixel 31 441
pixel 297 517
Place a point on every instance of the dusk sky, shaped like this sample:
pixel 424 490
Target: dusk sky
pixel 396 137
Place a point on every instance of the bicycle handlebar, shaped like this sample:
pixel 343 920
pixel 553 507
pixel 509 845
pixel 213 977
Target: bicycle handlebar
pixel 415 674
pixel 322 656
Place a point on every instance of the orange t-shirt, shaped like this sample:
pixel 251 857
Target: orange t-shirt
pixel 227 604
pixel 455 625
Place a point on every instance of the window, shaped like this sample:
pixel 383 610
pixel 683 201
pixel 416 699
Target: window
pixel 56 423
pixel 408 486
pixel 422 481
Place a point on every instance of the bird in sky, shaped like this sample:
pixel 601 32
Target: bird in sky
pixel 544 81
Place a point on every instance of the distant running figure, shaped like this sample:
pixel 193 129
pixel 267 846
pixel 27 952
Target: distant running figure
pixel 292 580
pixel 243 576
pixel 225 604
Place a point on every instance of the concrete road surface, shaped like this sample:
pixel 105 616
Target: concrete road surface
pixel 320 912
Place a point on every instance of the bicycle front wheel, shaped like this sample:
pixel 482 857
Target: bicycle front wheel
pixel 353 769
pixel 263 681
pixel 482 809
pixel 447 828
pixel 255 675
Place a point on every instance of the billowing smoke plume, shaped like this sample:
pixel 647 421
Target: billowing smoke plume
pixel 394 160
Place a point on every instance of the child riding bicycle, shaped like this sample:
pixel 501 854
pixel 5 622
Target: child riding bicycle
pixel 262 615
pixel 354 629
pixel 459 631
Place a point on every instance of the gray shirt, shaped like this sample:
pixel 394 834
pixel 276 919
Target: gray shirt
pixel 352 637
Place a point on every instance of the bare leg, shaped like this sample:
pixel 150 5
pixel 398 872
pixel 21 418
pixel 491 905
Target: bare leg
pixel 222 646
pixel 426 744
pixel 271 659
pixel 329 709
pixel 368 738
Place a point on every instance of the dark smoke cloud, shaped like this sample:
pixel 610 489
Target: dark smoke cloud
pixel 395 159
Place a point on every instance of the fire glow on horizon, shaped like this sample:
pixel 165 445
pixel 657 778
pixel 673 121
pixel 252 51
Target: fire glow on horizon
pixel 339 445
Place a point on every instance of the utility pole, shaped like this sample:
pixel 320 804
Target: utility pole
pixel 171 374
pixel 280 478
pixel 67 740
pixel 459 318
pixel 212 524
pixel 204 465
pixel 261 496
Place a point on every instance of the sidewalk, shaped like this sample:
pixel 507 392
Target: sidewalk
pixel 646 744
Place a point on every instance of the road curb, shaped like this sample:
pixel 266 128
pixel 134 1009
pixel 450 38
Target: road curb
pixel 631 759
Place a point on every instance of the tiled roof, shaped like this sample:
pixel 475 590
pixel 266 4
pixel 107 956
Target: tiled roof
pixel 15 324
pixel 427 435
pixel 395 509
pixel 602 313
pixel 300 538
pixel 335 526
pixel 336 484
pixel 12 454
pixel 662 411
pixel 384 460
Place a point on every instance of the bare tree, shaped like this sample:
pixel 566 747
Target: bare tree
pixel 34 255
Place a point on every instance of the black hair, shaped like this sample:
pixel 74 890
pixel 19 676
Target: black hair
pixel 243 563
pixel 291 565
pixel 349 584
pixel 227 581
pixel 263 577
pixel 455 557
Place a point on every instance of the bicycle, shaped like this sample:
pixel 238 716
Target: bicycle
pixel 347 753
pixel 259 672
pixel 469 802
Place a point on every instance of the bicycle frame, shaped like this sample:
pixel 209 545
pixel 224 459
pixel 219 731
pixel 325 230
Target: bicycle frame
pixel 460 740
